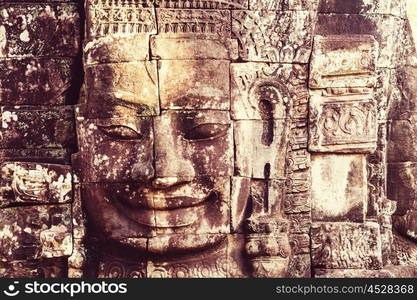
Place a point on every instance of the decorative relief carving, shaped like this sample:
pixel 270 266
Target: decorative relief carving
pixel 267 91
pixel 108 17
pixel 203 4
pixel 346 246
pixel 268 246
pixel 35 232
pixel 343 61
pixel 39 30
pixel 195 22
pixel 263 35
pixel 35 183
pixel 342 125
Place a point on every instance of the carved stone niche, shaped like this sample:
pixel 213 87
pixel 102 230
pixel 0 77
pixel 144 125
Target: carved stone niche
pixel 39 29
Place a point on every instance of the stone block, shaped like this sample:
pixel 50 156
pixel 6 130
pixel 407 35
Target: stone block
pixel 267 141
pixel 346 246
pixel 344 124
pixel 35 232
pixel 194 84
pixel 122 89
pixel 37 81
pixel 33 183
pixel 339 187
pixel 39 29
pixel 343 61
pixel 193 143
pixel 37 127
pixel 186 48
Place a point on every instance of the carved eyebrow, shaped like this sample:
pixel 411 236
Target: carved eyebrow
pixel 207 132
pixel 120 132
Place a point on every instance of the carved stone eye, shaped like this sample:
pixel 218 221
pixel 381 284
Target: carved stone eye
pixel 207 132
pixel 120 132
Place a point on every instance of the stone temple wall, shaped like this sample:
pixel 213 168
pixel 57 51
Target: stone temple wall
pixel 207 138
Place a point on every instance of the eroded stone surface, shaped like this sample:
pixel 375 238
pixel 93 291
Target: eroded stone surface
pixel 382 27
pixel 36 81
pixel 342 124
pixel 389 7
pixel 342 61
pixel 271 36
pixel 35 232
pixel 194 84
pixel 33 183
pixel 339 190
pixel 39 30
pixel 195 142
pixel 114 89
pixel 266 140
pixel 262 91
pixel 196 129
pixel 118 18
pixel 346 246
pixel 28 127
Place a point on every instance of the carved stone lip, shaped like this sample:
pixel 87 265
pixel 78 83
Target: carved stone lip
pixel 171 212
pixel 171 198
pixel 160 202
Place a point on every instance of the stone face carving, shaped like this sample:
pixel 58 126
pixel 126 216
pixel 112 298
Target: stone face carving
pixel 236 138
